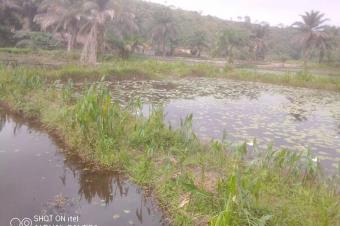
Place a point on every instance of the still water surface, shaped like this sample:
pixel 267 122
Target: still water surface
pixel 286 117
pixel 37 179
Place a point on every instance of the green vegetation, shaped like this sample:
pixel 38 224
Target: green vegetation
pixel 36 40
pixel 134 26
pixel 164 34
pixel 196 183
pixel 313 35
pixel 298 79
pixel 16 50
pixel 133 68
pixel 143 68
pixel 228 40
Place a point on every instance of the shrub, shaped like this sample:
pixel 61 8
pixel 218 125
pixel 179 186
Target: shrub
pixel 34 40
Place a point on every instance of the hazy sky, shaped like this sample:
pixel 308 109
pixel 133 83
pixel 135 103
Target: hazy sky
pixel 272 11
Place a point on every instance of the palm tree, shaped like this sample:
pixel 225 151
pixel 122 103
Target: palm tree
pixel 311 31
pixel 165 31
pixel 10 22
pixel 229 40
pixel 61 15
pixel 22 10
pixel 122 34
pixel 327 42
pixel 95 14
pixel 258 44
pixel 324 44
pixel 198 42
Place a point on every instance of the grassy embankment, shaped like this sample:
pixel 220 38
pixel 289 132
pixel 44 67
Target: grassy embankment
pixel 147 68
pixel 196 183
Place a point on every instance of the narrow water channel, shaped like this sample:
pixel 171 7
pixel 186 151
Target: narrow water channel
pixel 39 183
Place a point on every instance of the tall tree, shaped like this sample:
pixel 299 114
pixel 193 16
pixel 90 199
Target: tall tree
pixel 327 42
pixel 229 40
pixel 164 33
pixel 122 34
pixel 9 18
pixel 258 44
pixel 311 32
pixel 95 15
pixel 23 10
pixel 198 42
pixel 61 15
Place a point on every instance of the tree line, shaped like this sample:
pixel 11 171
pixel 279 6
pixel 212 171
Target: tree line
pixel 97 26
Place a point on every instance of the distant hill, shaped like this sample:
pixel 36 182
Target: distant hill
pixel 280 42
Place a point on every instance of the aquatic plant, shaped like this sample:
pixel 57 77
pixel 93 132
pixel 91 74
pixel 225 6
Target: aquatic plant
pixel 196 182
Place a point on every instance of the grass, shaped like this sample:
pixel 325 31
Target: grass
pixel 141 68
pixel 126 69
pixel 298 79
pixel 150 69
pixel 16 50
pixel 197 183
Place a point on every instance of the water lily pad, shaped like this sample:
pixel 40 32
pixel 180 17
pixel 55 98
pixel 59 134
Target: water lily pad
pixel 127 211
pixel 116 216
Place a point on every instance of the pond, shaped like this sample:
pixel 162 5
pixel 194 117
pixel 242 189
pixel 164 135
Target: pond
pixel 40 183
pixel 285 117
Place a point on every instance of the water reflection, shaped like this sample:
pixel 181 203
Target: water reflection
pixel 5 118
pixel 92 183
pixel 2 122
pixel 37 179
